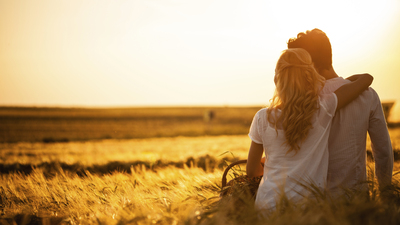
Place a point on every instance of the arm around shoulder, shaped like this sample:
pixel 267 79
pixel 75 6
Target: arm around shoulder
pixel 348 92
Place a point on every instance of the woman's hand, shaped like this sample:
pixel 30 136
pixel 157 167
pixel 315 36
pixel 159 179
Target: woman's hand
pixel 360 76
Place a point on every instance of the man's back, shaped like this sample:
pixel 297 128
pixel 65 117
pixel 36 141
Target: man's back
pixel 347 141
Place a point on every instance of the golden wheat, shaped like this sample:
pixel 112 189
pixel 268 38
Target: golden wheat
pixel 118 183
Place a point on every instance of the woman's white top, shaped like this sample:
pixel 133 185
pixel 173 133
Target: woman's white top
pixel 285 172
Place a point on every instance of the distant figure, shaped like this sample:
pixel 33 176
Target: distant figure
pixel 387 106
pixel 348 137
pixel 293 131
pixel 208 116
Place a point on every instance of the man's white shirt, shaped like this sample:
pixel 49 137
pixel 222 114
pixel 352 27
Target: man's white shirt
pixel 348 137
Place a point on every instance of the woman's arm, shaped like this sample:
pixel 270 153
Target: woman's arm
pixel 253 167
pixel 348 92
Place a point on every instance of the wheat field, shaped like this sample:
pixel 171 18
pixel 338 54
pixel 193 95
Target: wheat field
pixel 153 166
pixel 81 124
pixel 158 181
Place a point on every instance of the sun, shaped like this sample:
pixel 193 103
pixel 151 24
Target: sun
pixel 342 20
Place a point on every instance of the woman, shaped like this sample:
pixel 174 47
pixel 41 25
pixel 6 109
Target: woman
pixel 293 131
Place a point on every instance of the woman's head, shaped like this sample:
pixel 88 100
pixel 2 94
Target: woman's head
pixel 295 74
pixel 297 87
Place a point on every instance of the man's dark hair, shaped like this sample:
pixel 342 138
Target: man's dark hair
pixel 317 44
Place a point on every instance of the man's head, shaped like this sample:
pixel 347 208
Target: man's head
pixel 317 44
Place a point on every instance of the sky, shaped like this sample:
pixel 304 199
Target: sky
pixel 182 52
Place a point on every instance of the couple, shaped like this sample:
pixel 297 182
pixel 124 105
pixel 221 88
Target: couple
pixel 315 129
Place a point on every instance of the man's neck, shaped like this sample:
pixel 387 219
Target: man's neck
pixel 328 74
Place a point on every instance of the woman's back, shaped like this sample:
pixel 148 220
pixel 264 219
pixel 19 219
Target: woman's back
pixel 283 170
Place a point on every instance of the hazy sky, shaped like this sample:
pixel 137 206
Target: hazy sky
pixel 181 52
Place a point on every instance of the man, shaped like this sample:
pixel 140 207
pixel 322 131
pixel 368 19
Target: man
pixel 347 140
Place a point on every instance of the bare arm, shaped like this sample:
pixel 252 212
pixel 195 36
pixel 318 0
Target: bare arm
pixel 348 92
pixel 253 167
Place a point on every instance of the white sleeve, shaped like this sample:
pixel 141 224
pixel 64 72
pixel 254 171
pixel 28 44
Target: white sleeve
pixel 254 132
pixel 328 105
pixel 329 102
pixel 380 143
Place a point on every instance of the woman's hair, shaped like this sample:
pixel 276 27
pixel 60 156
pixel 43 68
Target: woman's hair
pixel 297 87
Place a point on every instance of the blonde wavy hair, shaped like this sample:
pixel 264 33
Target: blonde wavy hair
pixel 296 95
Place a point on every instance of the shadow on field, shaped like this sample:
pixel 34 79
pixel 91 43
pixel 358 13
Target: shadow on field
pixel 34 220
pixel 207 163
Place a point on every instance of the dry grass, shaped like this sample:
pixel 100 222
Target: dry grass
pixel 179 191
pixel 177 149
pixel 168 195
pixel 175 196
pixel 56 176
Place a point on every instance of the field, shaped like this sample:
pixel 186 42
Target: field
pixel 80 124
pixel 157 180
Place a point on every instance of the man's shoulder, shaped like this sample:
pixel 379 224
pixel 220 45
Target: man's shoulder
pixel 363 105
pixel 333 84
pixel 370 93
